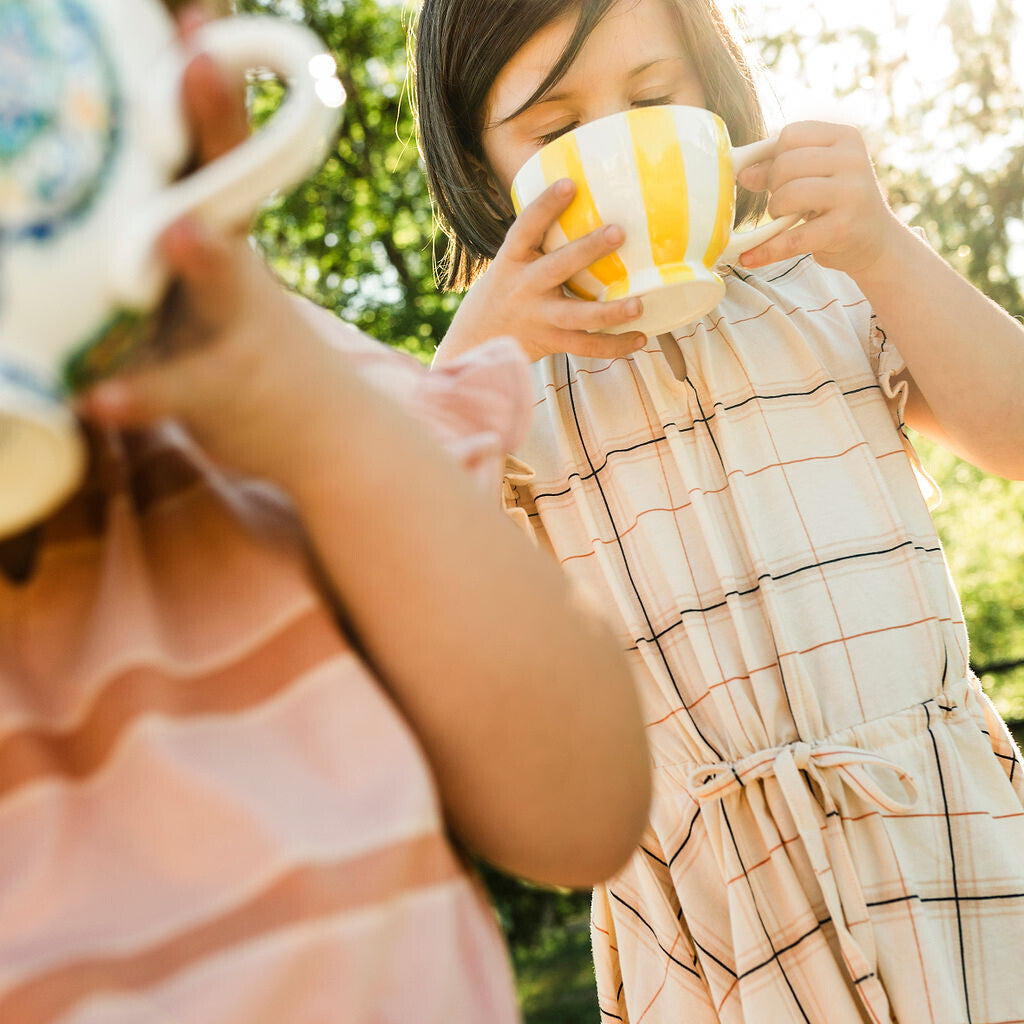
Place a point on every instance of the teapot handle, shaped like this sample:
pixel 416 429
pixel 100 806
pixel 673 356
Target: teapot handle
pixel 228 191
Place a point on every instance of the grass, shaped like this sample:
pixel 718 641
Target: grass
pixel 555 977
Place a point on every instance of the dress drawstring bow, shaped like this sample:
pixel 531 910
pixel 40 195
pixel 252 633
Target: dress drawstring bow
pixel 794 765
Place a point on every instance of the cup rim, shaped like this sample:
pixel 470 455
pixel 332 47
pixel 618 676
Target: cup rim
pixel 632 111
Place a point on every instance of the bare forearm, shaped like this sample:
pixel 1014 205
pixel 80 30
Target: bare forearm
pixel 470 327
pixel 452 346
pixel 518 698
pixel 965 354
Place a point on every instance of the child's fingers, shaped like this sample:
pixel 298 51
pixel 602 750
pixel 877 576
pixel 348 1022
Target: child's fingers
pixel 597 346
pixel 804 148
pixel 557 267
pixel 804 196
pixel 215 109
pixel 524 238
pixel 809 162
pixel 755 177
pixel 141 398
pixel 807 237
pixel 211 273
pixel 191 18
pixel 813 134
pixel 581 315
pixel 116 403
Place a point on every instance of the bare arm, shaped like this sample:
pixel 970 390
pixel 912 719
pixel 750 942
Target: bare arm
pixel 522 701
pixel 964 354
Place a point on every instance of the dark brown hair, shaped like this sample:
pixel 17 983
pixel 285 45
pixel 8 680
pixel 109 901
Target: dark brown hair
pixel 458 48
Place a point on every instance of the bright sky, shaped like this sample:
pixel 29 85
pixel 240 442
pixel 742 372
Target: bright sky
pixel 910 27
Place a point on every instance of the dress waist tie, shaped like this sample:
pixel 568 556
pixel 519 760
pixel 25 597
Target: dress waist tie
pixel 841 890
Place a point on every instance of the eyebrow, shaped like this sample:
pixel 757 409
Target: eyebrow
pixel 558 97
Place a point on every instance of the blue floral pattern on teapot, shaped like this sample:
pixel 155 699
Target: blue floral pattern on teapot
pixel 59 115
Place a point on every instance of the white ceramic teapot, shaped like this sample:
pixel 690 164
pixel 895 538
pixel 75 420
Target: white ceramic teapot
pixel 92 137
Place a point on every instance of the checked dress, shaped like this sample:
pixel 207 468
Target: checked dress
pixel 837 831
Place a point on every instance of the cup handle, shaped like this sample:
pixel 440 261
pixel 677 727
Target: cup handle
pixel 228 191
pixel 741 241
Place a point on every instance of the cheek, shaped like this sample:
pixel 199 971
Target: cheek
pixel 504 158
pixel 693 93
pixel 503 174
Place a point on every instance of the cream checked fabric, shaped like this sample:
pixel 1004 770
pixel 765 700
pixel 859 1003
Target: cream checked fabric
pixel 837 833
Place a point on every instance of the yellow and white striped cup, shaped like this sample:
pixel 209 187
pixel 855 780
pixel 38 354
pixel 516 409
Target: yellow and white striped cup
pixel 667 176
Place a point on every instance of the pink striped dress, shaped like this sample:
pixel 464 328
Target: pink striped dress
pixel 211 812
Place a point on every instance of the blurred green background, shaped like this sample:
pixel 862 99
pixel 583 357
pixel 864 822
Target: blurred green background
pixel 939 100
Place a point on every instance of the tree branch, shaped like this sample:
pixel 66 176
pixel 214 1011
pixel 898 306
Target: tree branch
pixel 995 668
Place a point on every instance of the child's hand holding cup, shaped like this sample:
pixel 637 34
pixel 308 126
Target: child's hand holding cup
pixel 667 176
pixel 92 135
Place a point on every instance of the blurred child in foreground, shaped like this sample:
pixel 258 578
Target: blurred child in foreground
pixel 256 670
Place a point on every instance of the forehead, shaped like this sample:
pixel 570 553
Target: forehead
pixel 649 27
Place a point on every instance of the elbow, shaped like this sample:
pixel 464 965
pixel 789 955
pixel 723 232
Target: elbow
pixel 1009 465
pixel 999 452
pixel 589 842
pixel 1013 467
pixel 599 816
pixel 568 804
pixel 623 819
pixel 607 849
pixel 604 819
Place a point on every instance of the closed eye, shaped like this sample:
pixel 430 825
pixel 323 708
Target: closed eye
pixel 557 133
pixel 654 101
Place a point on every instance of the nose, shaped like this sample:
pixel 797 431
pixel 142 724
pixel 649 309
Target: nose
pixel 605 109
pixel 611 99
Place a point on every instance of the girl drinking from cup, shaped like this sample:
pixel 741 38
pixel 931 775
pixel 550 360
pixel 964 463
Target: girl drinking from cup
pixel 837 823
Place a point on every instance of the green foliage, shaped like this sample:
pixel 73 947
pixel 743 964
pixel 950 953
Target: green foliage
pixel 526 910
pixel 981 523
pixel 555 975
pixel 973 209
pixel 357 237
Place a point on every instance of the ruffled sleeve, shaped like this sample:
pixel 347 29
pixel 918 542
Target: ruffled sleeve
pixel 888 364
pixel 478 406
pixel 889 367
pixel 516 475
